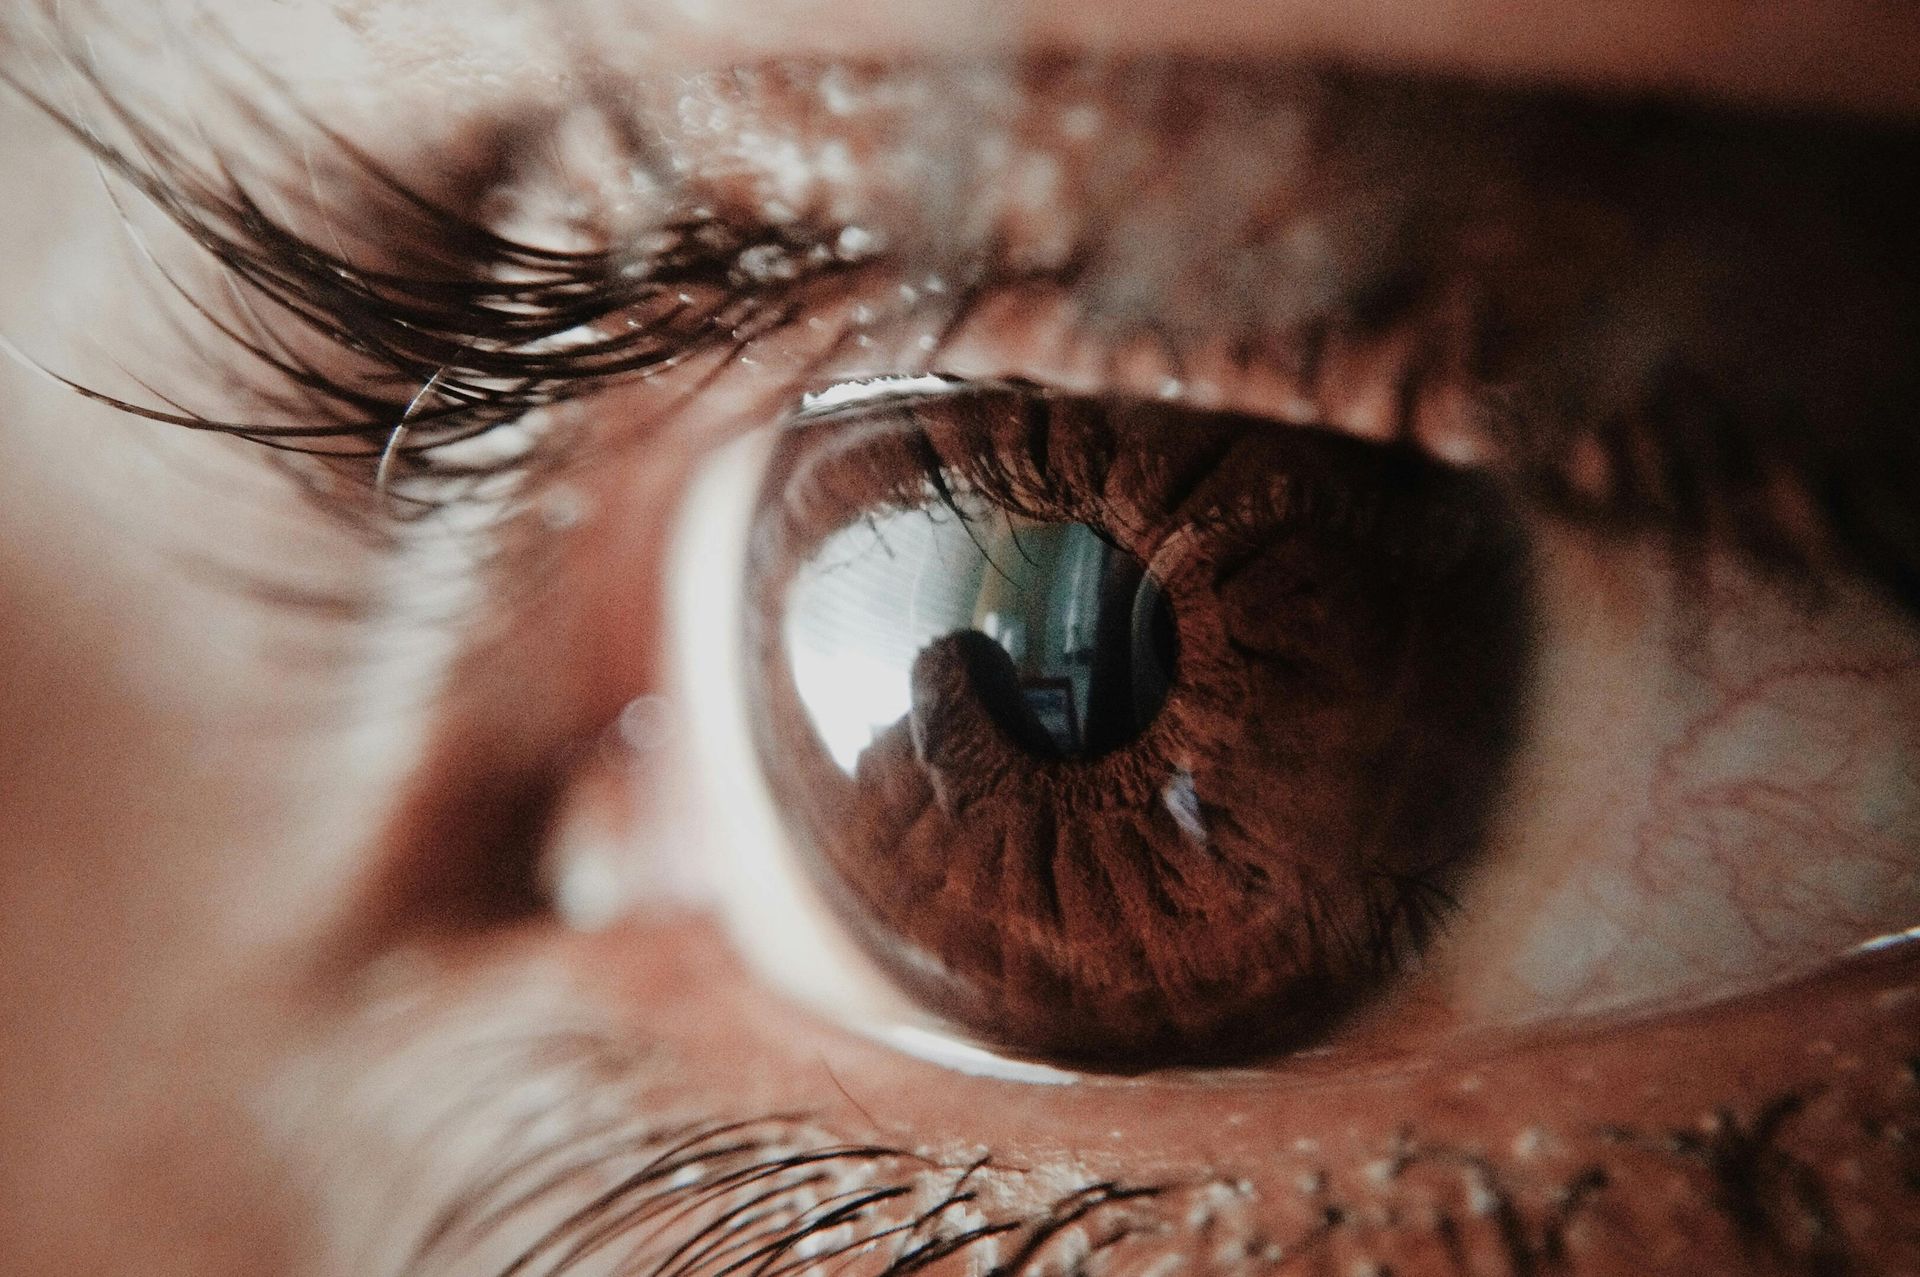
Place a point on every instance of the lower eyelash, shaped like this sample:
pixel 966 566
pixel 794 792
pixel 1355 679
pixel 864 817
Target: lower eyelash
pixel 714 1194
pixel 788 1195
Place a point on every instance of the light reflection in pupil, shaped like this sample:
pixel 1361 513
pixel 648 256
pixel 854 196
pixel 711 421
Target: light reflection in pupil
pixel 1084 645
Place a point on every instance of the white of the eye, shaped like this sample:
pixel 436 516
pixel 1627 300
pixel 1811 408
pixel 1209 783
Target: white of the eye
pixel 776 918
pixel 773 913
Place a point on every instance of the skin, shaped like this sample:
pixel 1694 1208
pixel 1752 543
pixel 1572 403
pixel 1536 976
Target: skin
pixel 256 1023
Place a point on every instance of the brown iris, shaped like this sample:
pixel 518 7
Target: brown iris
pixel 1126 734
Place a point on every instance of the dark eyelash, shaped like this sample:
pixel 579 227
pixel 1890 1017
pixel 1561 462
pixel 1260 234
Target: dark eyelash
pixel 475 333
pixel 489 325
pixel 727 1197
pixel 708 1197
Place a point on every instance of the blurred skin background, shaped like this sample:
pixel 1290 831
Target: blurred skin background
pixel 382 892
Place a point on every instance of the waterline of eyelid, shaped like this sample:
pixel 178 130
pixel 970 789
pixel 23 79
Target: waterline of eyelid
pixel 963 1057
pixel 1891 940
pixel 849 394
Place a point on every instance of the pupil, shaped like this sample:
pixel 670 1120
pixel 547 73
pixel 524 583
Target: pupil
pixel 1064 641
pixel 1084 644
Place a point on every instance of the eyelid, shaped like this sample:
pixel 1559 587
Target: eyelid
pixel 1852 56
pixel 1392 258
pixel 1419 374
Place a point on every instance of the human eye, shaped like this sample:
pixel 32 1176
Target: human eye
pixel 1088 662
pixel 1394 732
pixel 1138 736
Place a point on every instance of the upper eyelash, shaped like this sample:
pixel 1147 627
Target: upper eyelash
pixel 493 336
pixel 483 329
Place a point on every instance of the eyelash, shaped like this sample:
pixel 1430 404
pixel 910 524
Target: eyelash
pixel 696 1196
pixel 476 331
pixel 478 334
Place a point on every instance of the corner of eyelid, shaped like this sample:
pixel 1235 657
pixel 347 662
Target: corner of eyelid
pixel 599 866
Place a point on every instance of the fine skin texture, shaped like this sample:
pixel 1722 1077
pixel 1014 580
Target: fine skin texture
pixel 279 1002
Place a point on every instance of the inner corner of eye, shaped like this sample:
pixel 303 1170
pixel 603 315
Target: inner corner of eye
pixel 1120 733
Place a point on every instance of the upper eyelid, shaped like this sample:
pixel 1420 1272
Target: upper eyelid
pixel 711 250
pixel 725 233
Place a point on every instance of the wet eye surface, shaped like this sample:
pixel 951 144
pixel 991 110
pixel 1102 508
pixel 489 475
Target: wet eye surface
pixel 1127 734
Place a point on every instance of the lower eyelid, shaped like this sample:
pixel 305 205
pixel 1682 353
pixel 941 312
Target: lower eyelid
pixel 1584 1150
